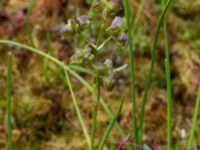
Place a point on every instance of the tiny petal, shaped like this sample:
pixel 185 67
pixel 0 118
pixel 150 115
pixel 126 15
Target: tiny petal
pixel 65 28
pixel 116 26
pixel 117 22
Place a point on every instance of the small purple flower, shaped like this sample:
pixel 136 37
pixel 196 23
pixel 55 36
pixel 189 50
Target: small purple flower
pixel 116 26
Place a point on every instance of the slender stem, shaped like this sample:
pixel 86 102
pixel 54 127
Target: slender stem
pixel 100 34
pixel 8 102
pixel 132 70
pixel 46 68
pixel 90 11
pixel 168 79
pixel 169 105
pixel 138 16
pixel 194 121
pixel 149 78
pixel 109 128
pixel 94 114
pixel 177 140
pixel 77 108
pixel 28 25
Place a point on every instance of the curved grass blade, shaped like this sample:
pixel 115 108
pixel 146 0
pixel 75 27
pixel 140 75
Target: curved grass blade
pixel 109 128
pixel 149 78
pixel 77 108
pixel 8 102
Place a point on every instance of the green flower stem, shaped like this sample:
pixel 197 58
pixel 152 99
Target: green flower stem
pixel 8 102
pixel 168 79
pixel 149 78
pixel 194 121
pixel 132 70
pixel 95 109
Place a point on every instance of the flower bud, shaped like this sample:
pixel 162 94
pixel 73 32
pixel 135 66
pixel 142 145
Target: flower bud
pixel 108 63
pixel 76 59
pixel 98 7
pixel 100 68
pixel 123 39
pixel 109 82
pixel 114 6
pixel 83 22
pixel 74 23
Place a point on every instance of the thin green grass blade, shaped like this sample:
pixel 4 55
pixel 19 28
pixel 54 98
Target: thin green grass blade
pixel 132 69
pixel 177 140
pixel 168 79
pixel 138 16
pixel 194 121
pixel 46 68
pixel 77 109
pixel 8 102
pixel 169 105
pixel 28 24
pixel 110 127
pixel 149 78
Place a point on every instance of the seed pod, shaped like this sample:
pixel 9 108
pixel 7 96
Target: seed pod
pixel 116 26
pixel 123 39
pixel 114 6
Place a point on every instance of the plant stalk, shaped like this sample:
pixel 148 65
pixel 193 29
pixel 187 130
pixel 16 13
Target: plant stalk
pixel 149 78
pixel 194 121
pixel 132 70
pixel 168 79
pixel 95 109
pixel 8 102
